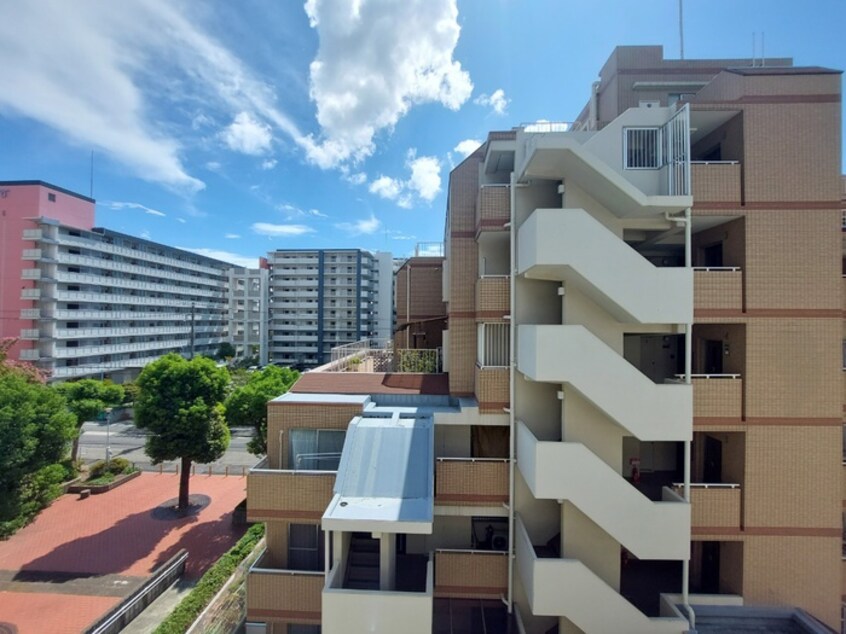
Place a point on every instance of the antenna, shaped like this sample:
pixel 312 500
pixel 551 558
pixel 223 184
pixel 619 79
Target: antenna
pixel 91 181
pixel 754 39
pixel 681 29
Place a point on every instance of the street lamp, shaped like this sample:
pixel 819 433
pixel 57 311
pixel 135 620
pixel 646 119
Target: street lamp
pixel 108 436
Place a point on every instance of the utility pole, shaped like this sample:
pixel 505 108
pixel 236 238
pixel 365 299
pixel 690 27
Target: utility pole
pixel 192 329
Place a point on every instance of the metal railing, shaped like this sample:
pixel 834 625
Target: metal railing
pixel 717 269
pixel 379 355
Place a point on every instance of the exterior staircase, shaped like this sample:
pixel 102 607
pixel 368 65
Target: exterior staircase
pixel 362 563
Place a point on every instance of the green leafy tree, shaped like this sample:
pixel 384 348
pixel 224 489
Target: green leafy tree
pixel 35 429
pixel 225 351
pixel 247 405
pixel 86 399
pixel 181 403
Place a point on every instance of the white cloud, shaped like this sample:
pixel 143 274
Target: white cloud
pixel 145 234
pixel 268 164
pixel 213 166
pixel 293 211
pixel 181 220
pixel 283 231
pixel 386 187
pixel 375 61
pixel 122 205
pixel 231 236
pixel 424 181
pixel 245 261
pixel 467 147
pixel 247 135
pixel 425 177
pixel 363 226
pixel 358 178
pixel 496 101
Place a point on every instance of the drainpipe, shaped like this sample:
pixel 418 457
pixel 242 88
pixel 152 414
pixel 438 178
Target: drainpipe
pixel 688 361
pixel 511 410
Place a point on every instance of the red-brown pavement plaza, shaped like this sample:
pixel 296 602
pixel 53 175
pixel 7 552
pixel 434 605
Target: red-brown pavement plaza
pixel 79 557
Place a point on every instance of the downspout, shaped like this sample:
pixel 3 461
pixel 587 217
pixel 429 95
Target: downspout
pixel 688 365
pixel 511 414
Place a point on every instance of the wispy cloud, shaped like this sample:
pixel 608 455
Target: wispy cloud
pixel 232 236
pixel 496 101
pixel 116 205
pixel 268 164
pixel 363 226
pixel 292 211
pixel 280 231
pixel 466 147
pixel 226 256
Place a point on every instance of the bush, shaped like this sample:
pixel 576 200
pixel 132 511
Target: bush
pixel 191 606
pixel 115 467
pixel 37 491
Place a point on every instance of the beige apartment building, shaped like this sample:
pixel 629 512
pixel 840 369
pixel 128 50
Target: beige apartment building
pixel 638 427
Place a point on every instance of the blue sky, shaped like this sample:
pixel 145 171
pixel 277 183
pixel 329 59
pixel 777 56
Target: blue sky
pixel 237 128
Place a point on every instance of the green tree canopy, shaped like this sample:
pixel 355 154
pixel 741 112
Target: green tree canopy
pixel 86 398
pixel 247 405
pixel 181 403
pixel 35 429
pixel 225 351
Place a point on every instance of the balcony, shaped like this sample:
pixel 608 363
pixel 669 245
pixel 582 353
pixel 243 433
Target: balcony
pixel 718 290
pixel 32 234
pixel 377 611
pixel 492 389
pixel 118 348
pixel 274 494
pixel 471 574
pixel 713 506
pixel 30 354
pixel 283 595
pixel 718 398
pixel 30 293
pixel 31 274
pixel 715 182
pixel 566 587
pixel 31 254
pixel 471 481
pixel 379 355
pixel 149 271
pixel 493 208
pixel 30 334
pixel 493 296
pixel 30 313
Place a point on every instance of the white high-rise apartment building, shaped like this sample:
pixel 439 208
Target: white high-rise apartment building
pixel 324 298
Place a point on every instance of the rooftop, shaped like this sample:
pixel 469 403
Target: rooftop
pixel 371 383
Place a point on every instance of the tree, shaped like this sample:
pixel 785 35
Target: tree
pixel 86 399
pixel 180 402
pixel 225 351
pixel 247 405
pixel 35 429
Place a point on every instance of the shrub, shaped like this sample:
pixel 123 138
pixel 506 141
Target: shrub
pixel 191 606
pixel 115 466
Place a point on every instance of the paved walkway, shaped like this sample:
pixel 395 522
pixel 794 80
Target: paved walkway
pixel 80 557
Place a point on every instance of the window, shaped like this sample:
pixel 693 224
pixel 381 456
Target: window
pixel 315 449
pixel 493 343
pixel 303 628
pixel 642 148
pixel 305 547
pixel 51 197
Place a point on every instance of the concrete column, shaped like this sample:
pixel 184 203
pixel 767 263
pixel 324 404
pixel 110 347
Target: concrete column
pixel 387 561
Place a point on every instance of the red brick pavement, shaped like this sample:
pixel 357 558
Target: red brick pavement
pixel 116 533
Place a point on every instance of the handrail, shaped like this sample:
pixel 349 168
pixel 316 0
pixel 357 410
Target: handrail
pixel 543 127
pixel 708 485
pixel 472 551
pixel 469 459
pixel 709 376
pixel 280 571
pixel 716 268
pixel 715 162
pixel 494 276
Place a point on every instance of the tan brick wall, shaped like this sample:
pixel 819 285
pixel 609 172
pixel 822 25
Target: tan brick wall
pixel 482 575
pixel 843 482
pixel 471 483
pixel 493 208
pixel 423 277
pixel 793 477
pixel 792 368
pixel 800 571
pixel 718 290
pixel 718 399
pixel 492 389
pixel 276 538
pixel 492 297
pixel 792 260
pixel 716 182
pixel 296 495
pixel 462 355
pixel 282 417
pixel 284 598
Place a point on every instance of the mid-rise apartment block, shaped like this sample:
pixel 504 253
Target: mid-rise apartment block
pixel 92 302
pixel 639 424
pixel 324 298
pixel 249 312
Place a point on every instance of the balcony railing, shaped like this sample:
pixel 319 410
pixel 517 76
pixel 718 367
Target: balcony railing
pixel 718 288
pixel 274 494
pixel 718 397
pixel 471 481
pixel 713 505
pixel 471 574
pixel 376 355
pixel 277 594
pixel 715 181
pixel 492 294
pixel 493 207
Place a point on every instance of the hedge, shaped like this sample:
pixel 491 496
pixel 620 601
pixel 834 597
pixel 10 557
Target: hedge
pixel 191 606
